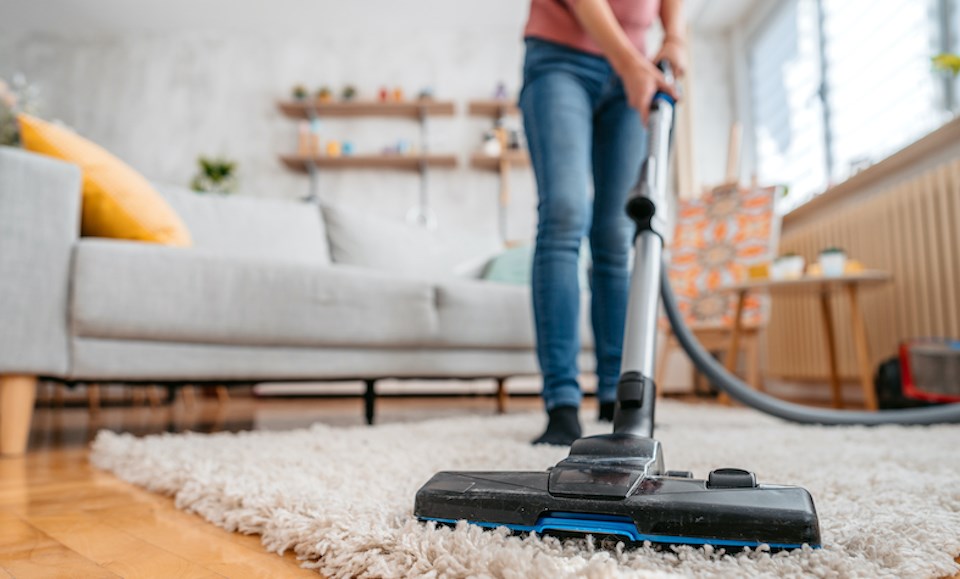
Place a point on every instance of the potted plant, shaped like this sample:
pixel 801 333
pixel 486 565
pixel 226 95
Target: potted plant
pixel 832 261
pixel 788 266
pixel 215 175
pixel 16 97
pixel 299 92
pixel 349 93
pixel 947 62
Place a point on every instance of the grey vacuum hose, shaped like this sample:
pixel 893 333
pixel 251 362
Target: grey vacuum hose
pixel 720 377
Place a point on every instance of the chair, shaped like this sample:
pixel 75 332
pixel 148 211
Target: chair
pixel 718 237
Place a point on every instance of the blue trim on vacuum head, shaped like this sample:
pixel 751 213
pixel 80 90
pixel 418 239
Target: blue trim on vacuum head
pixel 614 525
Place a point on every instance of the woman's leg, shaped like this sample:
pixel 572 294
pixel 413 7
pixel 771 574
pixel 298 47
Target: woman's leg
pixel 618 149
pixel 557 115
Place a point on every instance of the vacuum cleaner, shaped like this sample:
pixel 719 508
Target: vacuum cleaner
pixel 615 486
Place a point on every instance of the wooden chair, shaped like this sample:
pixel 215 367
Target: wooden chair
pixel 718 238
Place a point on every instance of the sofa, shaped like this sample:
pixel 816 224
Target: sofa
pixel 272 291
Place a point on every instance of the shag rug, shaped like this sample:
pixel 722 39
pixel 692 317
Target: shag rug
pixel 342 498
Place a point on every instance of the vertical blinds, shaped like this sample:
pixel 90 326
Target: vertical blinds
pixel 840 84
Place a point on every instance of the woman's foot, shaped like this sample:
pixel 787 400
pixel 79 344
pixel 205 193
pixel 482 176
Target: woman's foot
pixel 563 427
pixel 606 411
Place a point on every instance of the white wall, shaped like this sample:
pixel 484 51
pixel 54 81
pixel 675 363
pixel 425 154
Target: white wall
pixel 161 82
pixel 160 86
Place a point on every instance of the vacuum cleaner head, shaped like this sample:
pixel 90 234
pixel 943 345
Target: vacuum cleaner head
pixel 614 488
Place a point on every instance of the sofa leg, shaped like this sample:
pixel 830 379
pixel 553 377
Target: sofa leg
pixel 369 400
pixel 17 394
pixel 502 395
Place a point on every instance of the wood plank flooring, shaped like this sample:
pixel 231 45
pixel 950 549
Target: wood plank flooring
pixel 61 517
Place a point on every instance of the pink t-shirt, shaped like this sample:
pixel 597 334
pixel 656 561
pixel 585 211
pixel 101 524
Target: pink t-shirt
pixel 555 21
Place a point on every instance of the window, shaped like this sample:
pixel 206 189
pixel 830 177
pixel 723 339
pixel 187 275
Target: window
pixel 837 85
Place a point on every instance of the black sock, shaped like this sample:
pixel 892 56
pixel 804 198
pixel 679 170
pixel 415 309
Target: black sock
pixel 606 411
pixel 562 428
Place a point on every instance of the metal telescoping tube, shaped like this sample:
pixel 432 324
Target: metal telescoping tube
pixel 721 378
pixel 640 333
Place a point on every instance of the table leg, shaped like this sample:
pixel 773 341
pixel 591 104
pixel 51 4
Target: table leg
pixel 733 352
pixel 831 340
pixel 863 349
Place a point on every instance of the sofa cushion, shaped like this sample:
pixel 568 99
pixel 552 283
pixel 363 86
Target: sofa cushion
pixel 482 314
pixel 251 227
pixel 358 238
pixel 117 201
pixel 128 290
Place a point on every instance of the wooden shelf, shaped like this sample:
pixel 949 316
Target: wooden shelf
pixel 516 158
pixel 399 162
pixel 405 109
pixel 492 108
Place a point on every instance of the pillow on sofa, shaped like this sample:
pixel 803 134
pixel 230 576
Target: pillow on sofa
pixel 357 238
pixel 117 201
pixel 514 266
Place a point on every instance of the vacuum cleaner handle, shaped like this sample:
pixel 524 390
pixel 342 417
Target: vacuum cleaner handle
pixel 647 207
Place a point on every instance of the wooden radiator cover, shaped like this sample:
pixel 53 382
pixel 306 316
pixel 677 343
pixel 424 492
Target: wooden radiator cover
pixel 910 229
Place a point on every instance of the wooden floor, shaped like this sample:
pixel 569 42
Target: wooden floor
pixel 61 517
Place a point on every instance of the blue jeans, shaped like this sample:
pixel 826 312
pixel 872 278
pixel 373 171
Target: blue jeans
pixel 579 126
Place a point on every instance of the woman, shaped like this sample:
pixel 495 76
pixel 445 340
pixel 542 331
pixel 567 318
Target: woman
pixel 586 94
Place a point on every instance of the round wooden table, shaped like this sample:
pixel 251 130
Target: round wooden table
pixel 823 287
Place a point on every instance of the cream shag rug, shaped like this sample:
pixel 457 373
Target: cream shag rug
pixel 342 498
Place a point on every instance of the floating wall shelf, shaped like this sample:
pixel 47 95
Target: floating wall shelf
pixel 308 109
pixel 301 163
pixel 494 109
pixel 419 111
pixel 517 158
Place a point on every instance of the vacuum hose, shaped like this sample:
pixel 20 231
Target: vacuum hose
pixel 721 378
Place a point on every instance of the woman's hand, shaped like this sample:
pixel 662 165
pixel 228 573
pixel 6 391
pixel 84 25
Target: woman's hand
pixel 673 51
pixel 641 80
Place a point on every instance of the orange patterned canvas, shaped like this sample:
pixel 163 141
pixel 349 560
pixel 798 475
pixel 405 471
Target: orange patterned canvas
pixel 718 237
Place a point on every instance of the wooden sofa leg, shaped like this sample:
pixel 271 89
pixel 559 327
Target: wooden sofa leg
pixel 17 394
pixel 502 395
pixel 369 401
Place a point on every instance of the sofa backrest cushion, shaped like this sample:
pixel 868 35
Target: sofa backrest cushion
pixel 360 239
pixel 251 227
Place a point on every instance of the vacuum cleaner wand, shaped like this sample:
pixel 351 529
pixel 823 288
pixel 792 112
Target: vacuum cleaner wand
pixel 636 392
pixel 615 485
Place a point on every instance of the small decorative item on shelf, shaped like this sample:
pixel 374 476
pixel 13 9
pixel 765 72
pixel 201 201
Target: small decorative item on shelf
pixel 299 92
pixel 304 139
pixel 398 94
pixel 346 148
pixel 500 93
pixel 403 147
pixel 788 266
pixel 216 175
pixel 324 94
pixel 314 146
pixel 758 271
pixel 491 144
pixel 333 148
pixel 349 93
pixel 425 94
pixel 832 261
pixel 384 94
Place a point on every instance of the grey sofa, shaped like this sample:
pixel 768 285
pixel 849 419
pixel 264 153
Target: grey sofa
pixel 264 295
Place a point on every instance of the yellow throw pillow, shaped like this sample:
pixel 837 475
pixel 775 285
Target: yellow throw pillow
pixel 117 201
